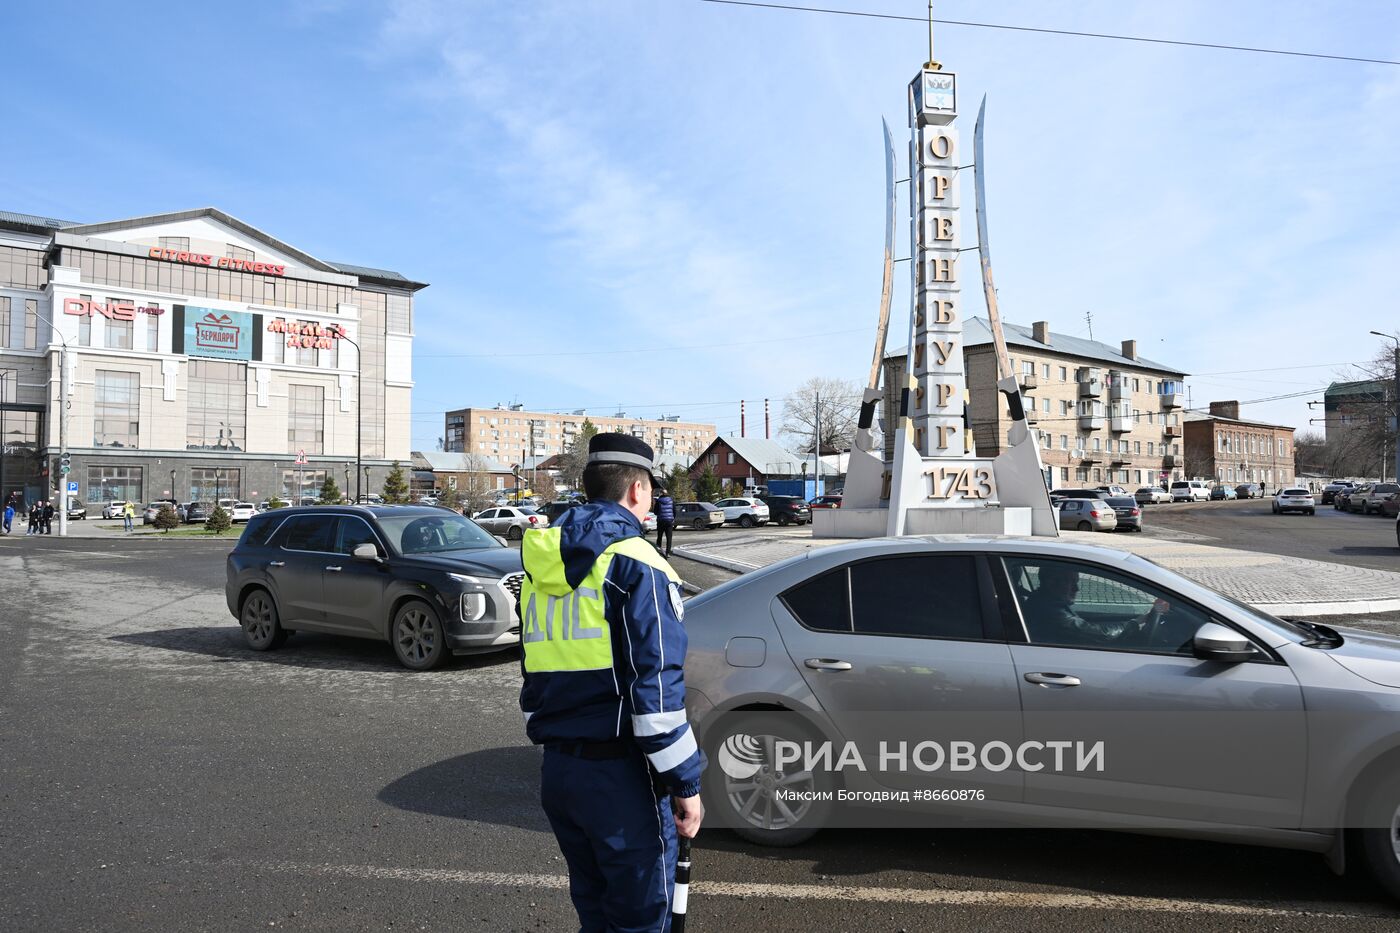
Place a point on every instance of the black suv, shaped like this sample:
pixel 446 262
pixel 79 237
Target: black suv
pixel 427 580
pixel 787 509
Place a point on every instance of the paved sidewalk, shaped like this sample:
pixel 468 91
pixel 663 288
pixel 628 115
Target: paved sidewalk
pixel 1274 583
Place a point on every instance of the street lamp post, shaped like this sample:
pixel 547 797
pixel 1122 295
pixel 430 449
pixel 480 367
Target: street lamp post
pixel 1396 428
pixel 359 414
pixel 62 422
pixel 172 487
pixel 347 478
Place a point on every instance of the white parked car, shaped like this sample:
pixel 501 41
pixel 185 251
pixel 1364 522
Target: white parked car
pixel 743 512
pixel 116 508
pixel 649 523
pixel 1152 495
pixel 1294 499
pixel 1113 490
pixel 1191 490
pixel 242 511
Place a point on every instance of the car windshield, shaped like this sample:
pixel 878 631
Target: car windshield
pixel 1296 492
pixel 436 533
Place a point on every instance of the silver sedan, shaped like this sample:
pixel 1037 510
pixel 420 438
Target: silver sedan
pixel 924 681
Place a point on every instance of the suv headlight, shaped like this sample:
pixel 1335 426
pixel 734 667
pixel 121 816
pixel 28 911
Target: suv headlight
pixel 473 601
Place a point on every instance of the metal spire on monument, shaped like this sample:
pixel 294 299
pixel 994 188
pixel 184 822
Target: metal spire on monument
pixel 936 483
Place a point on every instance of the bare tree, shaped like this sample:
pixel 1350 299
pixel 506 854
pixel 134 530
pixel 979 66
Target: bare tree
pixel 839 410
pixel 476 494
pixel 576 458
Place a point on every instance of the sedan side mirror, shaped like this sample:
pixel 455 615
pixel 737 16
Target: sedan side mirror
pixel 366 552
pixel 1215 642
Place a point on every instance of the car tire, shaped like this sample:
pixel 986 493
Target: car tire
pixel 783 521
pixel 1084 526
pixel 1275 508
pixel 515 533
pixel 417 635
pixel 725 797
pixel 746 521
pixel 1378 842
pixel 1312 511
pixel 259 620
pixel 699 524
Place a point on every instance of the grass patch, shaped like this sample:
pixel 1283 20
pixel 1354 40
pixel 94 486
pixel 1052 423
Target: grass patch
pixel 187 531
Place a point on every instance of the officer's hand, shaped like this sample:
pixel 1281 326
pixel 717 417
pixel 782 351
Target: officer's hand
pixel 688 812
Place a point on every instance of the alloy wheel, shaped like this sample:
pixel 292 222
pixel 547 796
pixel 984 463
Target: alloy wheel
pixel 258 619
pixel 755 799
pixel 416 635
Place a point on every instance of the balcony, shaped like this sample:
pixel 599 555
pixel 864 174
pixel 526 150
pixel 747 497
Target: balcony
pixel 1171 430
pixel 1171 400
pixel 1120 424
pixel 1170 461
pixel 1091 388
pixel 1089 456
pixel 1029 382
pixel 1119 390
pixel 1090 422
pixel 1118 461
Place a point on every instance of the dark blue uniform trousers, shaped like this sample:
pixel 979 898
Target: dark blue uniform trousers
pixel 618 837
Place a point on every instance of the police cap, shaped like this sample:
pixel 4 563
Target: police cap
pixel 624 449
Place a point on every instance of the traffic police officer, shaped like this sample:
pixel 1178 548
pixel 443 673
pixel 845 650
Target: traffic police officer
pixel 604 693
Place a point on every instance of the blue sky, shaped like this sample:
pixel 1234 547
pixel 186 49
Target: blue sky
pixel 577 176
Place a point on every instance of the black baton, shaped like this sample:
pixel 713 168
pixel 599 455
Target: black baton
pixel 678 902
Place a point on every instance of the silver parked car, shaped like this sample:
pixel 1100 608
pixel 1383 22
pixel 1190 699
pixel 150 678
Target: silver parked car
pixel 1152 495
pixel 510 521
pixel 1087 515
pixel 1217 720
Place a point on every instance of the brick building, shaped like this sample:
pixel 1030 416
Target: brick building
pixel 504 432
pixel 1106 414
pixel 1222 448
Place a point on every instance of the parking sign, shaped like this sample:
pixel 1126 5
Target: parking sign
pixel 72 486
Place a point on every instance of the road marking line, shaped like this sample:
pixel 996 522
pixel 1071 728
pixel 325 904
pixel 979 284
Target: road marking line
pixel 920 896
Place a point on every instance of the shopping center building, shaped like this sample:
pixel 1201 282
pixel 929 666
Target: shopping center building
pixel 205 358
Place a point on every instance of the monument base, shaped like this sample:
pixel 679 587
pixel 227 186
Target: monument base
pixel 850 523
pixel 873 523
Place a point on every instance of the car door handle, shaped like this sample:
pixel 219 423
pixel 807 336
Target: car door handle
pixel 1052 680
pixel 277 563
pixel 827 664
pixel 333 569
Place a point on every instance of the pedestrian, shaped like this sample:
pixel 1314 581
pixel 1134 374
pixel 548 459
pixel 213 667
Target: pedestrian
pixel 47 517
pixel 665 520
pixel 9 515
pixel 34 513
pixel 129 516
pixel 604 693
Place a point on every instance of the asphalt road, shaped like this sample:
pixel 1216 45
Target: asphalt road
pixel 156 775
pixel 1250 525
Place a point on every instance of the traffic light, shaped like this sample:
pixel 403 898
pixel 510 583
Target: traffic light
pixel 64 463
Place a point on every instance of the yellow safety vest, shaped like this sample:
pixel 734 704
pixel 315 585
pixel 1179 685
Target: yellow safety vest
pixel 567 629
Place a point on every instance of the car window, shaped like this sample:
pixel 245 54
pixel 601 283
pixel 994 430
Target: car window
pixel 925 595
pixel 351 533
pixel 428 534
pixel 258 531
pixel 1070 605
pixel 822 603
pixel 489 513
pixel 1070 505
pixel 728 502
pixel 309 533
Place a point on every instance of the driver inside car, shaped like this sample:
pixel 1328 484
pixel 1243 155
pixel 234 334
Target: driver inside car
pixel 1051 617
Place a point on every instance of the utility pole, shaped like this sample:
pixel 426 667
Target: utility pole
pixel 817 449
pixel 1395 427
pixel 62 424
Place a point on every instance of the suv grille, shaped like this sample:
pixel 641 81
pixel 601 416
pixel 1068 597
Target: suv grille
pixel 512 582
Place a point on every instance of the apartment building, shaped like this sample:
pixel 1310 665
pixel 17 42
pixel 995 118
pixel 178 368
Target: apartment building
pixel 1221 447
pixel 1105 414
pixel 507 432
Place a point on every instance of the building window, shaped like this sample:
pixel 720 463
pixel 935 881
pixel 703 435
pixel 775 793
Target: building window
pixel 210 484
pixel 238 252
pixel 1064 474
pixel 1098 474
pixel 729 458
pixel 306 356
pixel 1064 374
pixel 1064 442
pixel 31 324
pixel 1135 385
pixel 153 332
pixel 1065 407
pixel 1097 446
pixel 1137 447
pixel 119 333
pixel 306 409
pixel 1082 474
pixel 22 268
pixel 9 385
pixel 1029 369
pixel 175 242
pixel 4 319
pixel 217 407
pixel 302 484
pixel 117 412
pixel 398 316
pixel 1150 447
pixel 1045 405
pixel 108 483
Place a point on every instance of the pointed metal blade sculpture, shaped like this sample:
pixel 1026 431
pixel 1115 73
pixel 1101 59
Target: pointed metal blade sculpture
pixel 1019 473
pixel 865 473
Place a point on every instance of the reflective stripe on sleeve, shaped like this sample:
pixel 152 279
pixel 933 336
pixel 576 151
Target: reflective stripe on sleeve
pixel 675 753
pixel 657 723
